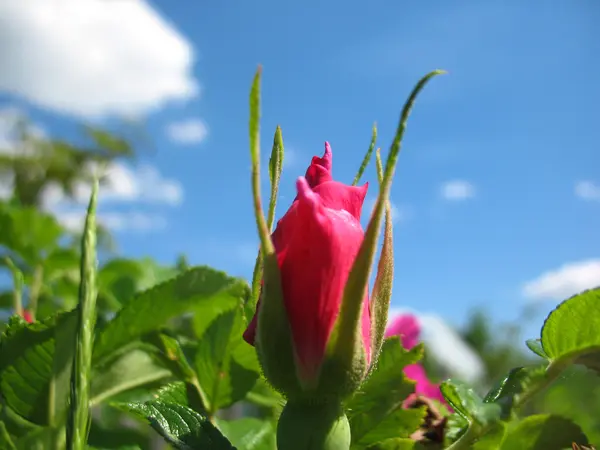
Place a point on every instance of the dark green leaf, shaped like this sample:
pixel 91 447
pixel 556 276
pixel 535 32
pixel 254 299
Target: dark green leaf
pixel 173 393
pixel 377 406
pixel 249 433
pixel 508 390
pixel 543 432
pixel 172 355
pixel 570 334
pixel 15 425
pixel 226 365
pixel 397 424
pixel 6 442
pixel 205 313
pixel 59 262
pixel 29 232
pixel 6 300
pixel 398 444
pixel 468 404
pixel 130 370
pixel 32 382
pixel 180 426
pixel 151 309
pixel 492 438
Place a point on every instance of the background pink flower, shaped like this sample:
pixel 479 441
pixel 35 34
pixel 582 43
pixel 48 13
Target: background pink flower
pixel 407 327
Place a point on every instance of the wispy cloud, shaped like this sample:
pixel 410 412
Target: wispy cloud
pixel 116 221
pixel 94 57
pixel 121 183
pixel 189 131
pixel 457 190
pixel 565 281
pixel 587 190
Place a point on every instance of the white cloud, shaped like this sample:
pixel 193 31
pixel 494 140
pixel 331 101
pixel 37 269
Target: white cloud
pixel 13 121
pixel 587 190
pixel 122 184
pixel 447 347
pixel 189 131
pixel 93 57
pixel 457 190
pixel 567 280
pixel 115 221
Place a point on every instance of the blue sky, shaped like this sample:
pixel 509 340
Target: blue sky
pixel 497 184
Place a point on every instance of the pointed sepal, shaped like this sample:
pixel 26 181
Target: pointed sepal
pixel 382 289
pixel 273 339
pixel 345 347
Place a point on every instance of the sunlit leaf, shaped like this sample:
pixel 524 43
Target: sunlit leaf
pixel 180 426
pixel 570 334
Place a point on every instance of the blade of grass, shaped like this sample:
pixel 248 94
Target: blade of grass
pixel 79 414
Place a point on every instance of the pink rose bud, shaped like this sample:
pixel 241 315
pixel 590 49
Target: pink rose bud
pixel 316 242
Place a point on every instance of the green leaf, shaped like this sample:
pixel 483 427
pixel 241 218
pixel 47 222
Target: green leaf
pixel 38 439
pixel 34 383
pixel 180 426
pixel 181 393
pixel 535 345
pixel 226 365
pixel 249 433
pixel 570 333
pixel 29 232
pixel 151 309
pixel 130 370
pixel 118 281
pixel 398 444
pixel 398 423
pixel 377 407
pixel 6 442
pixel 207 312
pixel 174 393
pixel 509 390
pixel 15 425
pixel 172 355
pixel 492 438
pixel 543 432
pixel 59 262
pixel 468 404
pixel 6 299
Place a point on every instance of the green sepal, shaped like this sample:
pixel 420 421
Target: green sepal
pixel 273 336
pixel 367 158
pixel 275 169
pixel 345 345
pixel 382 290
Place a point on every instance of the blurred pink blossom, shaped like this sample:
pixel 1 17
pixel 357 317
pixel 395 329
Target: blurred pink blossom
pixel 27 316
pixel 407 327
